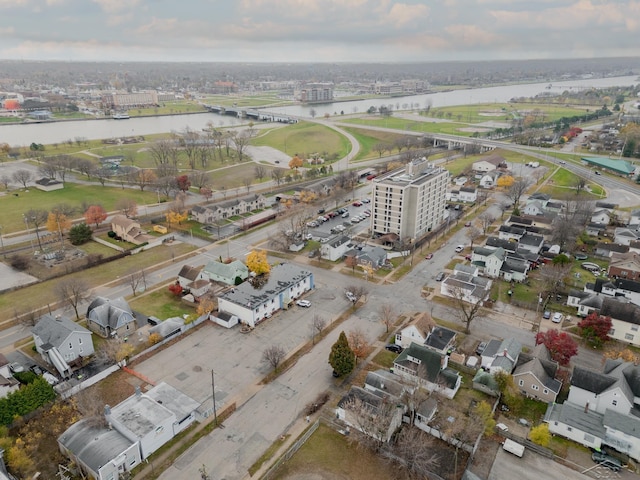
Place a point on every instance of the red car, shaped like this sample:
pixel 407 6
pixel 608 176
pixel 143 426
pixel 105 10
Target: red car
pixel 467 257
pixel 429 256
pixel 357 204
pixel 468 224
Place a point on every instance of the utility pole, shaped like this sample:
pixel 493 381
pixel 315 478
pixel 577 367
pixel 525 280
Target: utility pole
pixel 213 389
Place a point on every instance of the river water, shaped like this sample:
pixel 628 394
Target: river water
pixel 59 132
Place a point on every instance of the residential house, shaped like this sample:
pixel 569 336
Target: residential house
pixel 232 273
pixel 362 409
pixel 589 304
pixel 496 242
pixel 533 208
pixel 574 297
pixel 602 408
pixel 60 341
pixel 8 384
pixel 518 221
pixel 535 374
pixel 224 319
pixel 489 179
pixel 138 426
pixel 416 332
pixel 428 367
pixel 595 229
pixel 468 194
pixel 630 289
pixel 335 248
pixel 554 207
pixel 608 249
pixel 216 212
pixel 531 242
pixel 486 382
pixel 129 230
pixel 188 275
pixel 111 318
pixel 625 319
pixel 251 304
pixel 441 340
pixel 634 220
pixel 497 263
pixel 625 236
pixel 624 265
pixel 469 288
pixel 383 381
pixel 488 164
pixel 511 232
pixel 369 256
pixel 501 355
pixel 602 216
pixel 48 184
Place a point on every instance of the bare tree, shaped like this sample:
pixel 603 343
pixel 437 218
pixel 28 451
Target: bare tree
pixel 317 325
pixel 22 177
pixel 358 291
pixel 102 174
pixel 413 450
pixel 28 318
pixel 37 218
pixel 473 234
pixel 486 219
pixel 387 315
pixel 358 342
pixel 191 144
pixel 277 175
pixel 273 356
pixel 72 291
pixel 5 180
pixel 380 148
pixel 518 188
pixel 247 183
pixel 241 141
pixel 137 278
pixel 259 172
pixel 580 183
pixel 200 179
pixel 163 151
pixel 466 310
pixel 503 206
pixel 128 207
pixel 48 168
pixel 552 277
pixel 373 420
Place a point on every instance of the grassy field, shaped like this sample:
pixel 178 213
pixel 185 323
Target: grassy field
pixel 328 452
pixel 162 304
pixel 22 299
pixel 12 207
pixel 505 112
pixel 398 123
pixel 304 139
pixel 368 138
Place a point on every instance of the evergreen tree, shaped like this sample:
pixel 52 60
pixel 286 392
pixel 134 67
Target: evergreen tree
pixel 342 358
pixel 80 233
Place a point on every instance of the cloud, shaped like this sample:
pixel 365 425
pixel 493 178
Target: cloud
pixel 117 6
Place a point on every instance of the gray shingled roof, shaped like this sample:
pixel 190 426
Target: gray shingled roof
pixel 589 422
pixel 385 381
pixel 591 381
pixel 624 311
pixel 432 362
pixel 110 313
pixel 54 331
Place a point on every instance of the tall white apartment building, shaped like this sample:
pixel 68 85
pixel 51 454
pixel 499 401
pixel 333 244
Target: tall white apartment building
pixel 409 201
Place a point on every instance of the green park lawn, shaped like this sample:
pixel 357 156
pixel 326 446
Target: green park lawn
pixel 304 139
pixel 504 112
pixel 398 123
pixel 160 303
pixel 12 207
pixel 368 139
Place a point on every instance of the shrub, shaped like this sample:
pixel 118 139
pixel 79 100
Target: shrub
pixel 79 234
pixel 20 262
pixel 111 234
pixel 26 400
pixel 155 338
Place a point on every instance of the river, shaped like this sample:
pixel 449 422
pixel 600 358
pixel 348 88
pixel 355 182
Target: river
pixel 59 132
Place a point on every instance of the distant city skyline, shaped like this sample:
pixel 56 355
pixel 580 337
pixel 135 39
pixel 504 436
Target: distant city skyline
pixel 316 30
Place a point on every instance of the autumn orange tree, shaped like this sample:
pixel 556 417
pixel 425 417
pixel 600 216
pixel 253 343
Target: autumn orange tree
pixel 295 163
pixel 358 342
pixel 95 214
pixel 58 221
pixel 257 262
pixel 505 181
pixel 307 196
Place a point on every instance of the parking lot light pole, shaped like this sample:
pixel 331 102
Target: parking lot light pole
pixel 213 389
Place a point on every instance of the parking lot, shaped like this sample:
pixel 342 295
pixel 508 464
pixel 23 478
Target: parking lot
pixel 236 358
pixel 321 229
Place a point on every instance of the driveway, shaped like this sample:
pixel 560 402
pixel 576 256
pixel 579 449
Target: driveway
pixel 530 467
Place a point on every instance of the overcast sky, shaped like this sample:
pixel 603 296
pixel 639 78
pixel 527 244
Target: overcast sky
pixel 317 30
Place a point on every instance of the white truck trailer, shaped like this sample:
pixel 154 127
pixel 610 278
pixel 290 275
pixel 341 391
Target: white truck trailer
pixel 513 447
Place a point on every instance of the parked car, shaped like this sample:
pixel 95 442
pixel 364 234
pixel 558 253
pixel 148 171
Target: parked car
pixel 15 367
pixel 350 296
pixel 597 173
pixel 392 347
pixel 607 461
pixel 440 276
pixel 36 369
pixel 481 348
pixel 467 224
pixel 357 204
pixel 459 248
pixel 546 315
pixel 303 303
pixel 345 214
pixel 321 210
pixel 365 200
pixel 51 379
pixel 467 257
pixel 557 317
pixel 429 256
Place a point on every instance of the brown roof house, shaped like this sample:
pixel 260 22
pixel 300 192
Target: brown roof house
pixel 624 265
pixel 535 375
pixel 129 230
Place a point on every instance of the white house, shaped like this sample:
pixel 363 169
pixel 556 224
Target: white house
pixel 601 216
pixel 533 208
pixel 489 180
pixel 469 288
pixel 335 248
pixel 501 355
pixel 488 164
pixel 227 273
pixel 251 305
pixel 60 341
pixel 467 194
pixel 138 426
pixel 624 236
pixel 598 411
pixel 416 332
pixel 188 275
